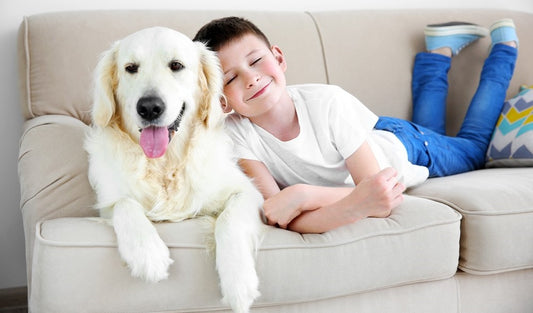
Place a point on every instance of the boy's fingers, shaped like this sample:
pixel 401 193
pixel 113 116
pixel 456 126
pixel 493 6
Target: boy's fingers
pixel 389 174
pixel 270 221
pixel 400 187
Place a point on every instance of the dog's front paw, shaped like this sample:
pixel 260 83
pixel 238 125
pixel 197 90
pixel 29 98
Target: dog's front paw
pixel 241 292
pixel 148 258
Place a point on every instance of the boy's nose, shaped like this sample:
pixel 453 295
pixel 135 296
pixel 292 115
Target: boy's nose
pixel 253 79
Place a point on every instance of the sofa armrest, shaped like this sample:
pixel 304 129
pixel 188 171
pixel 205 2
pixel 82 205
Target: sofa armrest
pixel 52 168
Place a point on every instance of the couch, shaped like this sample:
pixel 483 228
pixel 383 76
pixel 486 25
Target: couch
pixel 462 243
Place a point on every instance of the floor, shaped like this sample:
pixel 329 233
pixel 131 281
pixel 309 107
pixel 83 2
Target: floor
pixel 14 300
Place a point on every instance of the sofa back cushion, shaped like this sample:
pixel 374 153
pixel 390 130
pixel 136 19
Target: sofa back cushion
pixel 58 51
pixel 368 53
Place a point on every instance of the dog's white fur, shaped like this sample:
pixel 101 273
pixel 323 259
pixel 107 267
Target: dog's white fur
pixel 197 176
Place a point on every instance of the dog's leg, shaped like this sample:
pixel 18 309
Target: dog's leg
pixel 237 234
pixel 139 243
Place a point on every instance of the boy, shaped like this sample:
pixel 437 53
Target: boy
pixel 306 146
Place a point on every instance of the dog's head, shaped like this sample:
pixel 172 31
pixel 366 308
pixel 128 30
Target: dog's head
pixel 154 81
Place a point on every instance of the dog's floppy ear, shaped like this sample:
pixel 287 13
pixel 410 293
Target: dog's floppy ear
pixel 210 80
pixel 105 82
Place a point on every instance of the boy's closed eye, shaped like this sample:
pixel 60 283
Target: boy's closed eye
pixel 230 80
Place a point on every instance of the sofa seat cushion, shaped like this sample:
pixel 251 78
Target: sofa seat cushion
pixel 418 242
pixel 497 209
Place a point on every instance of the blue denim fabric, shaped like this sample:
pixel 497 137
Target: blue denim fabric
pixel 425 138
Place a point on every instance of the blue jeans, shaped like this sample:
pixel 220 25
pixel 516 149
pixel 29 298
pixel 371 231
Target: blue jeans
pixel 425 138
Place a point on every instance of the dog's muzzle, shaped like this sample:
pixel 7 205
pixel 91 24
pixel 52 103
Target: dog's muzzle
pixel 154 139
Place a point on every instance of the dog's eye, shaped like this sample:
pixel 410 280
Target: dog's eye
pixel 132 68
pixel 175 66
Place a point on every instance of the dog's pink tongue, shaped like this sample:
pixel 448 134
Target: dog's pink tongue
pixel 154 141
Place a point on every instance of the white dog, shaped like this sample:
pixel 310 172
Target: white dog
pixel 158 152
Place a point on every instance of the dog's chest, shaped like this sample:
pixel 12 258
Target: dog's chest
pixel 168 193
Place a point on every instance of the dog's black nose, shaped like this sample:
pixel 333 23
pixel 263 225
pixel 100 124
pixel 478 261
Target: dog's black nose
pixel 150 107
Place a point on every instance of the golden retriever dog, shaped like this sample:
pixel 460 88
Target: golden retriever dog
pixel 158 152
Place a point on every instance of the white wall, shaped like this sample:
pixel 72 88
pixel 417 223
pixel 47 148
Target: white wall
pixel 12 260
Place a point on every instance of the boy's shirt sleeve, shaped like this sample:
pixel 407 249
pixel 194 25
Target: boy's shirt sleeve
pixel 240 130
pixel 351 122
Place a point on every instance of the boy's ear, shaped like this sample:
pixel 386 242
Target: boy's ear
pixel 226 108
pixel 278 54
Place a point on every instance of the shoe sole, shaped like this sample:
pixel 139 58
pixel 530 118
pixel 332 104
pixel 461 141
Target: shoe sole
pixel 507 22
pixel 456 30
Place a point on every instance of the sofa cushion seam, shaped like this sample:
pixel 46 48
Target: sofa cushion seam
pixel 469 212
pixel 322 48
pixel 171 245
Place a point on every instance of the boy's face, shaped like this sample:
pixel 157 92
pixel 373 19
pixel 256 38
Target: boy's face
pixel 254 76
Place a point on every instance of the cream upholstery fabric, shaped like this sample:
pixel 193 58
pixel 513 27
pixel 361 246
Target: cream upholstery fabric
pixel 418 243
pixel 497 217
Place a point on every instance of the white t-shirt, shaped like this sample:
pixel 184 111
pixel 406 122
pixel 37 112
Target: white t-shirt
pixel 333 124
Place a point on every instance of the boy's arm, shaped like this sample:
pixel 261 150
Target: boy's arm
pixel 289 204
pixel 261 177
pixel 376 194
pixel 316 209
pixel 362 163
pixel 295 202
pixel 282 206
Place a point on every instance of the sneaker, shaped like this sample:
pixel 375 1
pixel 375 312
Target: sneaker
pixel 502 31
pixel 454 35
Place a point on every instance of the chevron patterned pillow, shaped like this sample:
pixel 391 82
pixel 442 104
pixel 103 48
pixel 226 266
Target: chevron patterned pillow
pixel 512 141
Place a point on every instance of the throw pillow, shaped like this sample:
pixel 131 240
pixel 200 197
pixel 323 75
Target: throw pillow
pixel 512 142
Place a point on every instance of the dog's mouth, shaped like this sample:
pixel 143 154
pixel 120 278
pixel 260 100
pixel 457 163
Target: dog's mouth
pixel 154 139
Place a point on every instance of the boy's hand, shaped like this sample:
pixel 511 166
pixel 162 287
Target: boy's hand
pixel 284 206
pixel 377 195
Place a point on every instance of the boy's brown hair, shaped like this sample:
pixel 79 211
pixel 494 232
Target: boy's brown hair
pixel 220 32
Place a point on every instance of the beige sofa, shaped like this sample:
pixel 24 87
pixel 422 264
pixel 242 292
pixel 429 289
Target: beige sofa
pixel 457 244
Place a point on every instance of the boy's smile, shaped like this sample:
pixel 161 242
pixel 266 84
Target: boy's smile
pixel 260 92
